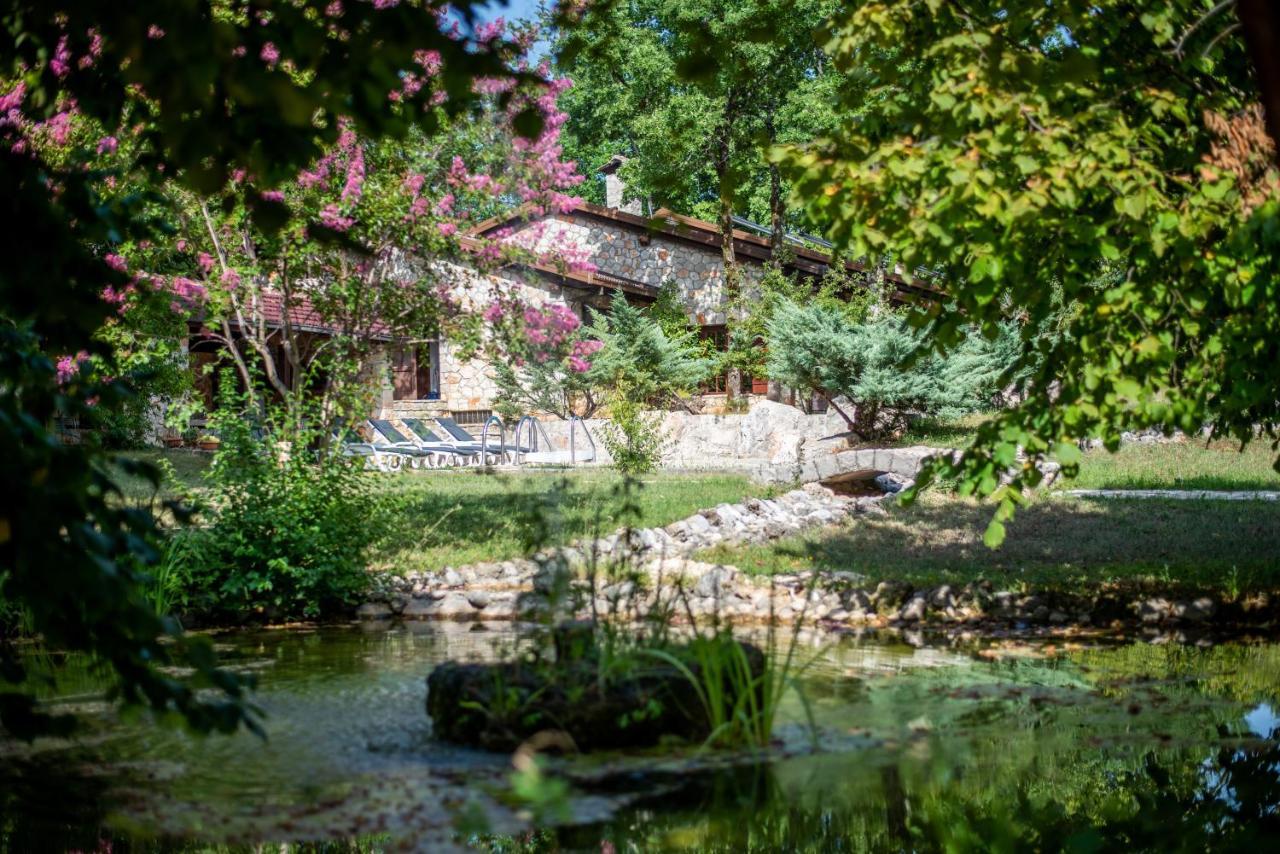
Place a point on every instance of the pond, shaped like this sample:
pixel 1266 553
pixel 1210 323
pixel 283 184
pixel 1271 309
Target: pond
pixel 976 745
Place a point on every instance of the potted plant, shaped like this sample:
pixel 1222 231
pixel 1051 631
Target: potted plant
pixel 172 440
pixel 208 442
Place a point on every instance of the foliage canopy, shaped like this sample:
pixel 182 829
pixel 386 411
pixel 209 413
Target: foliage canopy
pixel 1026 149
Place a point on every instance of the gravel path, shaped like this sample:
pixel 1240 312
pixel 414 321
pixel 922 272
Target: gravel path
pixel 1178 494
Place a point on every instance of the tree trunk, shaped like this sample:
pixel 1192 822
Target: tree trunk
pixel 731 273
pixel 1261 26
pixel 777 227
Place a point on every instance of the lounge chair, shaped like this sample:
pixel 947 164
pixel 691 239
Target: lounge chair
pixel 432 454
pixel 463 439
pixel 426 437
pixel 382 458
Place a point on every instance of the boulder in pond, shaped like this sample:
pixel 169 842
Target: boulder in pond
pixel 499 706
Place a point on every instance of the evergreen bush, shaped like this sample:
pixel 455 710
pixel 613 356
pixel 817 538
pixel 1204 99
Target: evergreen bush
pixel 882 366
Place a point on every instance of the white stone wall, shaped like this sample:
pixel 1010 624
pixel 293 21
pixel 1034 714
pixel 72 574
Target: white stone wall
pixel 651 259
pixel 469 384
pixel 771 437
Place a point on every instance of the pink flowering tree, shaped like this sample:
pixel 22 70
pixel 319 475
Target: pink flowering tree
pixel 375 246
pixel 545 359
pixel 118 129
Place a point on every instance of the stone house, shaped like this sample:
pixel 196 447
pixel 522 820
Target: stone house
pixel 632 253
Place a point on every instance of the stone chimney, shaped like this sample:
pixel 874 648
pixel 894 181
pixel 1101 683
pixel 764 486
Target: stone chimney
pixel 615 187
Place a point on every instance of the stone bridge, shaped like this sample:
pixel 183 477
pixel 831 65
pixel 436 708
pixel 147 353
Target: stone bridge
pixel 843 467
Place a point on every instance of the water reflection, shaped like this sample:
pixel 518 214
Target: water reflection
pixel 981 746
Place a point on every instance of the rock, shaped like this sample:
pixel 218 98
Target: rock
pixel 915 609
pixel 452 578
pixel 478 598
pixel 698 524
pixel 1154 610
pixel 715 582
pixel 452 607
pixel 621 591
pixel 893 483
pixel 499 706
pixel 419 608
pixel 374 611
pixel 1198 611
pixel 501 606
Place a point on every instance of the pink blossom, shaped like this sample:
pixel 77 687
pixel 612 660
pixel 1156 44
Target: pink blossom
pixel 418 208
pixel 331 217
pixel 69 366
pixel 181 245
pixel 308 179
pixel 334 9
pixel 429 60
pixel 447 229
pixel 239 51
pixel 444 205
pixel 270 54
pixel 58 127
pixel 385 4
pixel 154 32
pixel 186 289
pixel 413 184
pixel 230 278
pixel 95 49
pixel 579 365
pixel 205 262
pixel 115 262
pixel 494 313
pixel 272 196
pixel 587 347
pixel 490 30
pixel 355 178
pixel 13 99
pixel 108 144
pixel 60 63
pixel 493 85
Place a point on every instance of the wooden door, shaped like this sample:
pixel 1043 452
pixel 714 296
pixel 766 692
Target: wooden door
pixel 404 380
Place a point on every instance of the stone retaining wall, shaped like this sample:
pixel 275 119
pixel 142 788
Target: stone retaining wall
pixel 651 571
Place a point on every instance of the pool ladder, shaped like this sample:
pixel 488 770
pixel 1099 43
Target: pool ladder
pixel 537 438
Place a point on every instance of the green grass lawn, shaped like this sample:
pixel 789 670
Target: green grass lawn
pixel 186 467
pixel 462 516
pixel 1179 465
pixel 1055 542
pixel 459 517
pixel 1186 464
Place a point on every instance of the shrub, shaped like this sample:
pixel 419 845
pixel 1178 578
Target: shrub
pixel 638 355
pixel 634 437
pixel 287 530
pixel 882 365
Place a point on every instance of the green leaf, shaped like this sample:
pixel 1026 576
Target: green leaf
pixel 995 534
pixel 1067 453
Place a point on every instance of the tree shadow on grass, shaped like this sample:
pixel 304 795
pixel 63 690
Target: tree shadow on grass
pixel 1058 543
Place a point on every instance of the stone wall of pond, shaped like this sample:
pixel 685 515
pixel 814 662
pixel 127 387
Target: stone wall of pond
pixel 654 572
